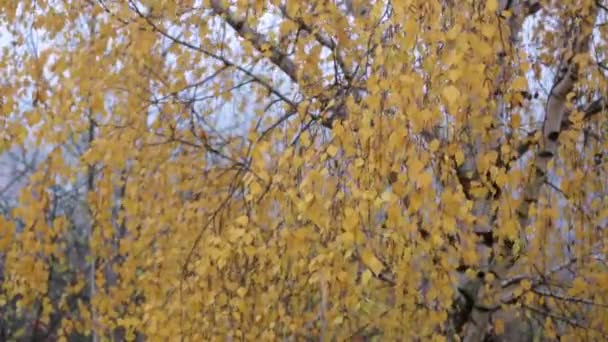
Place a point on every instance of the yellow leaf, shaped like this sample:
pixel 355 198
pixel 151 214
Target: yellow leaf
pixel 515 120
pixel 414 167
pixel 242 220
pixel 388 196
pixel 347 238
pixel 235 234
pixel 286 27
pixel 510 228
pixel 499 326
pixel 451 94
pixel 424 180
pixel 370 260
pixel 365 277
pixel 492 5
pixel 578 287
pixel 520 83
pixel 255 188
pixel 434 145
pixel 470 256
pixel 309 198
pixel 437 239
pixel 488 30
pixel 459 158
pixel 241 292
pixel 332 150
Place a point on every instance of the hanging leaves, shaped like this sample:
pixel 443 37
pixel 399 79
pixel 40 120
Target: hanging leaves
pixel 342 170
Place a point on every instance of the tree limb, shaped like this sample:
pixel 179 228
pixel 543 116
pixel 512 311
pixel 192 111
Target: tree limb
pixel 258 40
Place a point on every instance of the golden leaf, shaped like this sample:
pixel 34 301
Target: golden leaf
pixel 242 220
pixel 332 150
pixel 451 94
pixel 370 260
pixel 499 326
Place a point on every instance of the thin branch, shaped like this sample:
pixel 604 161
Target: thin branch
pixel 568 298
pixel 323 39
pixel 222 59
pixel 516 279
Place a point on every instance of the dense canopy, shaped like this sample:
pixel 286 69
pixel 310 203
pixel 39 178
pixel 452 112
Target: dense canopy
pixel 289 170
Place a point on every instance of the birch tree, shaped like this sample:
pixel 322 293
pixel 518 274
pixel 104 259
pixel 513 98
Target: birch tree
pixel 333 170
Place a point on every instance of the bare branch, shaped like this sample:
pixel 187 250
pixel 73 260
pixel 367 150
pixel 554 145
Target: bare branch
pixel 568 298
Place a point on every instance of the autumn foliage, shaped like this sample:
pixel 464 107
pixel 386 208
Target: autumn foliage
pixel 304 170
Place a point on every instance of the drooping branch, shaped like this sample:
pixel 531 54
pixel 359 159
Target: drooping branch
pixel 323 39
pixel 225 61
pixel 535 279
pixel 281 59
pixel 258 40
